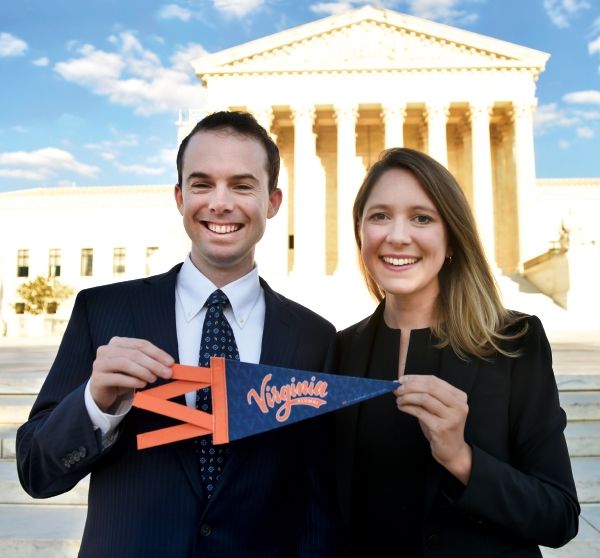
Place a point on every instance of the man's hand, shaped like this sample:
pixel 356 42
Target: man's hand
pixel 126 364
pixel 442 412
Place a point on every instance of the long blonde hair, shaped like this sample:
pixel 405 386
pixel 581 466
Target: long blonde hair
pixel 470 316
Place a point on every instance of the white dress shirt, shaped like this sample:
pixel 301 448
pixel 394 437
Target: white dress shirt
pixel 245 313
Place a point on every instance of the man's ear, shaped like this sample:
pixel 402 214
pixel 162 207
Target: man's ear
pixel 275 198
pixel 178 197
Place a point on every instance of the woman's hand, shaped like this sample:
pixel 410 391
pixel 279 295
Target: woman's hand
pixel 442 411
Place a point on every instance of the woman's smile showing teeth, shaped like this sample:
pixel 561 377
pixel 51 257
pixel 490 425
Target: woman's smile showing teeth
pixel 221 228
pixel 399 261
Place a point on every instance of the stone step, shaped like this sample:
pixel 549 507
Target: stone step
pixel 586 471
pixel 581 405
pixel 8 433
pixel 583 438
pixel 21 383
pixel 11 491
pixel 578 382
pixel 14 409
pixel 34 531
pixel 55 532
pixel 587 542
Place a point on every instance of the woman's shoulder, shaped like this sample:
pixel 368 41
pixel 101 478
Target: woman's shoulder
pixel 521 322
pixel 524 331
pixel 350 331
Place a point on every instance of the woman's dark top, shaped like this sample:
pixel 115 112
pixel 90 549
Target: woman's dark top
pixel 520 493
pixel 391 455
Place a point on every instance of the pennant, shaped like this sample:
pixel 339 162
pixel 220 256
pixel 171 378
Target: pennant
pixel 249 398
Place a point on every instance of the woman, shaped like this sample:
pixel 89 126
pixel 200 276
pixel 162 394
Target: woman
pixel 475 463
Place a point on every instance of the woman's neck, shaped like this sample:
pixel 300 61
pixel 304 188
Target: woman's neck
pixel 408 314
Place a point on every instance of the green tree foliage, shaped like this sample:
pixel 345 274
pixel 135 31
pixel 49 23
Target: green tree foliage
pixel 41 292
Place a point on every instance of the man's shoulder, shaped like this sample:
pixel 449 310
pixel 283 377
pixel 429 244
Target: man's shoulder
pixel 295 309
pixel 128 286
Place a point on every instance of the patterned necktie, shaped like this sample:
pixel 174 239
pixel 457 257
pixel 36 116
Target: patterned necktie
pixel 217 340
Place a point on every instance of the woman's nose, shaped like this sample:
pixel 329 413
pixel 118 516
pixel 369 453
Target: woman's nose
pixel 399 232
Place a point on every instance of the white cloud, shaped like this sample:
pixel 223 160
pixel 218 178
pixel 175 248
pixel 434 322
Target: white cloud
pixel 341 6
pixel 173 11
pixel 561 11
pixel 22 174
pixel 551 116
pixel 589 97
pixel 441 10
pixel 237 8
pixel 594 46
pixel 166 156
pixel 134 77
pixel 42 62
pixel 588 114
pixel 331 8
pixel 140 170
pixel 585 132
pixel 19 129
pixel 125 140
pixel 42 164
pixel 11 45
pixel 184 55
pixel 564 144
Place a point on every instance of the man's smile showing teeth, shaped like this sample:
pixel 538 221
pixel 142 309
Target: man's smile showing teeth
pixel 222 229
pixel 399 261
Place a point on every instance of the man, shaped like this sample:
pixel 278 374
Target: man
pixel 267 495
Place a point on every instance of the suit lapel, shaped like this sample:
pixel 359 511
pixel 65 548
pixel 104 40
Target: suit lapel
pixel 462 375
pixel 279 342
pixel 154 311
pixel 155 321
pixel 354 362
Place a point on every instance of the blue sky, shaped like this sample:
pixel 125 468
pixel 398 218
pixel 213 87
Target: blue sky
pixel 91 90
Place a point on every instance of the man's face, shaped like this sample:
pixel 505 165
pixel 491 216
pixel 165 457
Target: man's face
pixel 225 202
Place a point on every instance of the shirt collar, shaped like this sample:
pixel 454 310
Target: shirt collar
pixel 193 289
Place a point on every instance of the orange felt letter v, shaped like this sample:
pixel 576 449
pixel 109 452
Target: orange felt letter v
pixel 194 422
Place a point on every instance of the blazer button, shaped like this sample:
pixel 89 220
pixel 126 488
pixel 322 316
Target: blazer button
pixel 205 529
pixel 433 540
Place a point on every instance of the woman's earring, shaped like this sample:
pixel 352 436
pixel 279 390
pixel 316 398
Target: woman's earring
pixel 448 260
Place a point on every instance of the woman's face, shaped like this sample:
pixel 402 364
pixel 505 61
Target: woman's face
pixel 404 241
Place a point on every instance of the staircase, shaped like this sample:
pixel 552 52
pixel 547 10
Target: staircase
pixel 31 528
pixel 52 528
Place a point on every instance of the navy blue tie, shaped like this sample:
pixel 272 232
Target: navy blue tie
pixel 217 340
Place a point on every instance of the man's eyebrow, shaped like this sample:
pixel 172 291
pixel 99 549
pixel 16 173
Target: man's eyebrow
pixel 204 176
pixel 244 176
pixel 197 174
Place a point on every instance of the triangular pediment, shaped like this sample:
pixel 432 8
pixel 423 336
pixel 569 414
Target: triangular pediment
pixel 369 39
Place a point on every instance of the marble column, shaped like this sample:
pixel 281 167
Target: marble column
pixel 309 197
pixel 347 185
pixel 437 117
pixel 483 195
pixel 271 251
pixel 393 120
pixel 522 116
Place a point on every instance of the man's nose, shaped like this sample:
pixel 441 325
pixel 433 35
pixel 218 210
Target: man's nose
pixel 221 199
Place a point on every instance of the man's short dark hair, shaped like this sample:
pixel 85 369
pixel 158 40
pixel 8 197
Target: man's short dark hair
pixel 242 123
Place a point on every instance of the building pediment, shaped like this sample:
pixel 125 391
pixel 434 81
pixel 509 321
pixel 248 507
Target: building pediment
pixel 369 39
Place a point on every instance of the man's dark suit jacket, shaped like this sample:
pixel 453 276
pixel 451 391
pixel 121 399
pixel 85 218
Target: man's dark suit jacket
pixel 521 492
pixel 273 498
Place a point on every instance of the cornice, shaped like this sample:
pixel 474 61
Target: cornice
pixel 591 183
pixel 487 52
